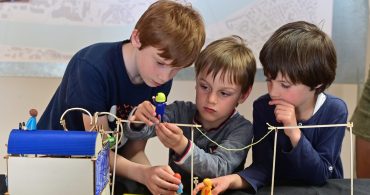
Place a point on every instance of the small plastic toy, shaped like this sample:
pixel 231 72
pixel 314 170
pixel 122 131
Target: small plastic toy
pixel 180 190
pixel 31 123
pixel 160 104
pixel 111 140
pixel 207 190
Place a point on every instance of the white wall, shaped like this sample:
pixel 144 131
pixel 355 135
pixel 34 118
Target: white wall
pixel 19 94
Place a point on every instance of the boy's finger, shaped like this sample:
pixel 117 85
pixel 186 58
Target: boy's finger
pixel 149 109
pixel 164 129
pixel 278 102
pixel 198 188
pixel 216 191
pixel 161 136
pixel 132 118
pixel 172 128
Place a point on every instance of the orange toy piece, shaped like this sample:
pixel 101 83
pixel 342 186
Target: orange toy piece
pixel 180 189
pixel 207 190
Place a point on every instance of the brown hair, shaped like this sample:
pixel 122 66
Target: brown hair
pixel 176 29
pixel 232 57
pixel 303 52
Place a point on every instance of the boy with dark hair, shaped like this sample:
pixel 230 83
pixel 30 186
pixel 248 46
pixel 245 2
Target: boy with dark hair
pixel 299 62
pixel 116 77
pixel 225 72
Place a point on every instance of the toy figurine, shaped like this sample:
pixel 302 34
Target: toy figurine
pixel 180 189
pixel 31 123
pixel 207 190
pixel 111 140
pixel 160 104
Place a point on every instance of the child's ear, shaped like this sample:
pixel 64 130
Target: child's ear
pixel 135 40
pixel 245 96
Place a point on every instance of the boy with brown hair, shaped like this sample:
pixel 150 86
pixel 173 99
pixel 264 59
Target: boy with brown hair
pixel 225 72
pixel 299 62
pixel 116 77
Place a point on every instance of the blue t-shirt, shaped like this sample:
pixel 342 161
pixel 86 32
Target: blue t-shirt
pixel 316 157
pixel 96 80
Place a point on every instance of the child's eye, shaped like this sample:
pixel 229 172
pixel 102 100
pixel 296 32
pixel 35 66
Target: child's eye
pixel 203 86
pixel 225 94
pixel 285 86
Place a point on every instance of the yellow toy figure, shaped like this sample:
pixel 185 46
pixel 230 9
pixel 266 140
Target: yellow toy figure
pixel 207 190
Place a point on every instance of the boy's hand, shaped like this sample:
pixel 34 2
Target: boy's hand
pixel 161 180
pixel 145 112
pixel 172 137
pixel 285 113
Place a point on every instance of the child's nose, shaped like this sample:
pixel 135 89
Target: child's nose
pixel 167 74
pixel 273 91
pixel 212 98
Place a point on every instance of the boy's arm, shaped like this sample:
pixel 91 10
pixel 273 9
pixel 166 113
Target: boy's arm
pixel 219 161
pixel 172 137
pixel 285 114
pixel 259 172
pixel 158 179
pixel 134 150
pixel 314 161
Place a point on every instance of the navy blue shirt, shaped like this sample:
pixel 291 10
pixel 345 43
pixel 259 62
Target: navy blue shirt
pixel 96 80
pixel 316 157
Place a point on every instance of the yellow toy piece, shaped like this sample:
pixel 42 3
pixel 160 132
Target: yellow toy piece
pixel 207 189
pixel 160 98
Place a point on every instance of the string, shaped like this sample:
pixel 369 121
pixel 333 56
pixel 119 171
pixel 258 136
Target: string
pixel 236 149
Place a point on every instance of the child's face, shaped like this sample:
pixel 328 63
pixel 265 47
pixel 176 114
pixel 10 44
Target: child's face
pixel 153 69
pixel 299 95
pixel 216 99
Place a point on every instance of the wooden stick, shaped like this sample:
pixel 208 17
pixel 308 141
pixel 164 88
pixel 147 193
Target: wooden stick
pixel 177 124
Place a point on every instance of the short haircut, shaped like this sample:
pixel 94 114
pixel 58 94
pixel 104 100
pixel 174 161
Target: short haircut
pixel 176 29
pixel 303 52
pixel 231 57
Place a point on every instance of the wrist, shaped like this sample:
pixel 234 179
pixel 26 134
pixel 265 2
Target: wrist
pixel 181 147
pixel 141 178
pixel 294 136
pixel 236 182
